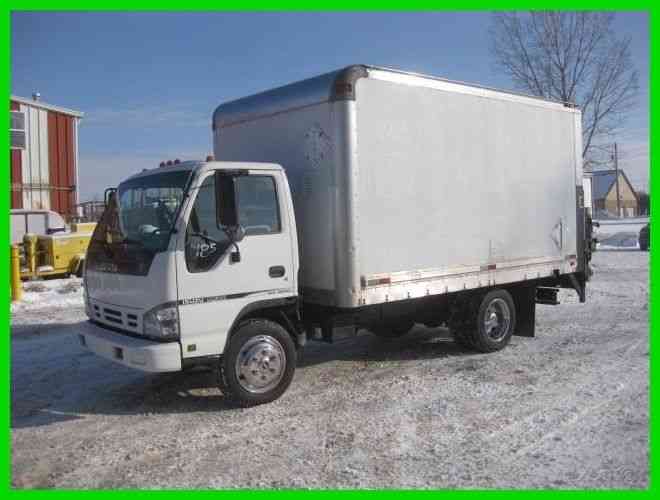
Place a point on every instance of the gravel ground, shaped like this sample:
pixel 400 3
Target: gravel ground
pixel 567 409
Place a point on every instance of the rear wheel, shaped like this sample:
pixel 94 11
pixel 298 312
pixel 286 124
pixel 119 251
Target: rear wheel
pixel 258 363
pixel 491 328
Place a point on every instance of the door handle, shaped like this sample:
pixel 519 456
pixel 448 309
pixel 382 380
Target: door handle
pixel 276 271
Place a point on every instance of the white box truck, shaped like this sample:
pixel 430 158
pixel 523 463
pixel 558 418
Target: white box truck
pixel 365 198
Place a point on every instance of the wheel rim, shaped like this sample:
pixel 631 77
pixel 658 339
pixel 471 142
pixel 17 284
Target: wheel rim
pixel 497 319
pixel 260 364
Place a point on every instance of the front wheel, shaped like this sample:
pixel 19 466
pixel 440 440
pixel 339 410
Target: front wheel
pixel 493 325
pixel 258 363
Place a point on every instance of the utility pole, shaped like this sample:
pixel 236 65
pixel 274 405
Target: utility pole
pixel 616 169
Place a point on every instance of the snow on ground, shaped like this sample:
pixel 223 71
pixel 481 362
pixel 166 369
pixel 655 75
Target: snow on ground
pixel 45 294
pixel 566 409
pixel 49 301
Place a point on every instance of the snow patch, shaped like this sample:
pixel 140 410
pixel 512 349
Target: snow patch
pixel 46 294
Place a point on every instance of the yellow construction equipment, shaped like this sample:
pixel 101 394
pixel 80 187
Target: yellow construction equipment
pixel 58 254
pixel 16 286
pixel 83 227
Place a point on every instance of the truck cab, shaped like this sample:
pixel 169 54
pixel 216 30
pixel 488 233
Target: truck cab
pixel 185 254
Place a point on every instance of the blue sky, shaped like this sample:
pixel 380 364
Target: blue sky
pixel 148 82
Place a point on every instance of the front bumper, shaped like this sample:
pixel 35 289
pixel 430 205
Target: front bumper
pixel 141 354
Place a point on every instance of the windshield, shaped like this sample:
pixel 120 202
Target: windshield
pixel 137 223
pixel 148 207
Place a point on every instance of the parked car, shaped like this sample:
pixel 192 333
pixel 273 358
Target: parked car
pixel 645 238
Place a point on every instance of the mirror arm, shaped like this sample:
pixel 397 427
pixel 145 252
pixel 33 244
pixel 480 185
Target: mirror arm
pixel 235 256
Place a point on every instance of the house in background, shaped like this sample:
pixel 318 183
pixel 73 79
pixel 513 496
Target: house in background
pixel 43 155
pixel 604 193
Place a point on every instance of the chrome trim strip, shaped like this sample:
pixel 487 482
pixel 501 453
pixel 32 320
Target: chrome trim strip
pixel 432 274
pixel 231 296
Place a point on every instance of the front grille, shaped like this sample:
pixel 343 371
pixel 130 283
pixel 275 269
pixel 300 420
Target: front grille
pixel 131 320
pixel 113 316
pixel 117 318
pixel 113 319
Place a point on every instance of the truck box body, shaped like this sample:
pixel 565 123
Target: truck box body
pixel 406 186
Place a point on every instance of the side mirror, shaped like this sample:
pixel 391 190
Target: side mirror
pixel 227 211
pixel 225 200
pixel 109 195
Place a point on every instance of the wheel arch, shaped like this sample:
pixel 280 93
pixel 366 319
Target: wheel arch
pixel 278 310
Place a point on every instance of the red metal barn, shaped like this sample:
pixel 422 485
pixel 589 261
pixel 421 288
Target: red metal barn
pixel 43 155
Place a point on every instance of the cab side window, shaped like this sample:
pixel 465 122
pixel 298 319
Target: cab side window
pixel 258 210
pixel 205 241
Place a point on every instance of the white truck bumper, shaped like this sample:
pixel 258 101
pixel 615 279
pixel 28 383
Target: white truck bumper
pixel 141 354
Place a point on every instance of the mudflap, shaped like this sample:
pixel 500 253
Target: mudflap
pixel 524 299
pixel 575 281
pixel 579 284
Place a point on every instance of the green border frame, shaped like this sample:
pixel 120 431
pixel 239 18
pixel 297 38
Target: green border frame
pixel 300 5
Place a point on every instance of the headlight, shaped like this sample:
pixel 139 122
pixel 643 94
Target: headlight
pixel 162 322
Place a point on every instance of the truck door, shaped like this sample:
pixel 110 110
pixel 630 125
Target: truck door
pixel 214 287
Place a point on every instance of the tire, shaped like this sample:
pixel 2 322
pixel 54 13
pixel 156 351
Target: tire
pixel 490 329
pixel 393 331
pixel 644 239
pixel 258 363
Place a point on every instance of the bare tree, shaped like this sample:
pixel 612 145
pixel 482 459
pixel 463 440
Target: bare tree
pixel 573 57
